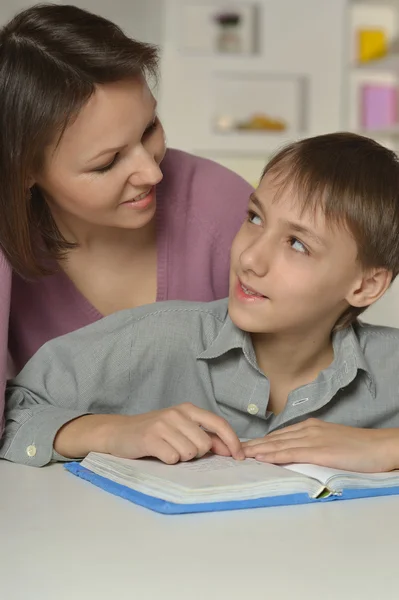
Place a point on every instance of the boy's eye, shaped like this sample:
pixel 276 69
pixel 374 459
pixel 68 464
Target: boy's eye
pixel 254 218
pixel 109 166
pixel 298 246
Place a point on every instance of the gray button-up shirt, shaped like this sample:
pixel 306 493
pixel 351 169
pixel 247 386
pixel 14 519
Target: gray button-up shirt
pixel 161 355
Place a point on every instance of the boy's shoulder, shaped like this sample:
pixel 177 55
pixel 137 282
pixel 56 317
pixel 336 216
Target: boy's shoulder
pixel 376 350
pixel 179 311
pixel 367 331
pixel 377 341
pixel 152 323
pixel 172 328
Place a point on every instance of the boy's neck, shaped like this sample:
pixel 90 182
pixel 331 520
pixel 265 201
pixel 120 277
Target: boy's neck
pixel 291 360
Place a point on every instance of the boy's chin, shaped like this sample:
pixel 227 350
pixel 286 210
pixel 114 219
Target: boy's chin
pixel 247 322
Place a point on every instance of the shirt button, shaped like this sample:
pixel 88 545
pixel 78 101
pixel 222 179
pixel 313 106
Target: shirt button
pixel 253 409
pixel 31 451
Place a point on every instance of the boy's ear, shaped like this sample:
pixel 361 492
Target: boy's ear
pixel 370 288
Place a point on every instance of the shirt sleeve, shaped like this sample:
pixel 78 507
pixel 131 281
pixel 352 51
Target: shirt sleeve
pixel 5 296
pixel 71 376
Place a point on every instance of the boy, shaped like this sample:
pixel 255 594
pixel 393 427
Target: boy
pixel 282 361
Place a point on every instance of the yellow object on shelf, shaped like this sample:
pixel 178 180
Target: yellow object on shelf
pixel 260 122
pixel 372 44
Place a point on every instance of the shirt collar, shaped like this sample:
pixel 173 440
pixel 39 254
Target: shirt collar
pixel 349 358
pixel 229 338
pixel 348 355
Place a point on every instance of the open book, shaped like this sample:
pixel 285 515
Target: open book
pixel 219 483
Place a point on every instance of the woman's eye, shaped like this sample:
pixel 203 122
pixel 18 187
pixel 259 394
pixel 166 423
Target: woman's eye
pixel 254 218
pixel 298 246
pixel 151 128
pixel 109 166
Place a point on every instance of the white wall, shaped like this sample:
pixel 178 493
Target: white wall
pixel 386 310
pixel 300 38
pixel 8 8
pixel 142 19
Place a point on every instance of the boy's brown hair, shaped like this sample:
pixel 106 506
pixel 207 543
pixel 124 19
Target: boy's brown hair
pixel 355 181
pixel 52 57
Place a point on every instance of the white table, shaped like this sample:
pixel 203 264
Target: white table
pixel 63 539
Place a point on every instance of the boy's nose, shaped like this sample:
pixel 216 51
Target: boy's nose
pixel 256 258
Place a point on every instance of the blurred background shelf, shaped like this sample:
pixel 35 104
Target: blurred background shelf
pixel 296 61
pixel 386 64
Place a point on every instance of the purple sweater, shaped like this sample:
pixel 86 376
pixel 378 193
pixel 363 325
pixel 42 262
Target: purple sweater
pixel 200 207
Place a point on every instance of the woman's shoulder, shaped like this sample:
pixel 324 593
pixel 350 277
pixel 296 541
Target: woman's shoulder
pixel 203 190
pixel 184 172
pixel 4 264
pixel 5 278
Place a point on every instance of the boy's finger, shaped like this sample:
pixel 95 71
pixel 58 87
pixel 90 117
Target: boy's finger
pixel 183 444
pixel 164 452
pixel 218 446
pixel 220 427
pixel 253 442
pixel 316 456
pixel 278 441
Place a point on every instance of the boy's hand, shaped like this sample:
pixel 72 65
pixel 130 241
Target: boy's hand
pixel 172 435
pixel 329 445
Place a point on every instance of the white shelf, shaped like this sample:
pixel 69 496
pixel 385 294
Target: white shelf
pixel 256 143
pixel 388 63
pixel 377 3
pixel 389 132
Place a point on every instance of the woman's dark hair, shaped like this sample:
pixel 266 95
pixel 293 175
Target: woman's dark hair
pixel 51 59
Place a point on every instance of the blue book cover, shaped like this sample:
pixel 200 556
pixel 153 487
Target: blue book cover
pixel 167 507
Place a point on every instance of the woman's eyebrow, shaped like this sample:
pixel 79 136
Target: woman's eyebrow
pixel 120 148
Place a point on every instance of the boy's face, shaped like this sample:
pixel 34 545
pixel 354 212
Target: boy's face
pixel 290 272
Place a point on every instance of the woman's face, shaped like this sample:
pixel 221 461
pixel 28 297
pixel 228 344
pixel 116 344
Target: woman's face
pixel 104 170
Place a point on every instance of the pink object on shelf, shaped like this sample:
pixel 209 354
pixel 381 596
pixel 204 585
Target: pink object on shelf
pixel 379 106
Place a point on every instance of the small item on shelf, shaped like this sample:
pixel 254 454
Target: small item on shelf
pixel 379 105
pixel 229 38
pixel 257 122
pixel 261 122
pixel 225 123
pixel 372 44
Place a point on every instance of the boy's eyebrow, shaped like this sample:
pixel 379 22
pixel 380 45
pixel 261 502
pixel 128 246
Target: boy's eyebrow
pixel 304 230
pixel 290 224
pixel 255 200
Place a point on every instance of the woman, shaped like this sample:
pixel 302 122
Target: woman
pixel 96 214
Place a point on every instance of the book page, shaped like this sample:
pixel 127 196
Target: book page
pixel 209 471
pixel 322 474
pixel 326 474
pixel 217 478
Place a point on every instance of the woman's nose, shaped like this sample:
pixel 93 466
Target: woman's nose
pixel 147 171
